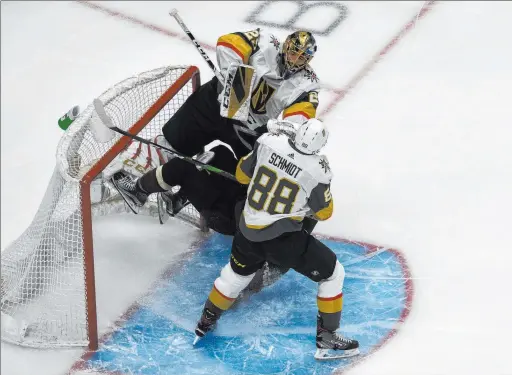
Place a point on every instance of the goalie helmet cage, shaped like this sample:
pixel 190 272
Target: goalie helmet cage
pixel 48 296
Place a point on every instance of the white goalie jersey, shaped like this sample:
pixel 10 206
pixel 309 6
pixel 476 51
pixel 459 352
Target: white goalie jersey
pixel 296 97
pixel 285 185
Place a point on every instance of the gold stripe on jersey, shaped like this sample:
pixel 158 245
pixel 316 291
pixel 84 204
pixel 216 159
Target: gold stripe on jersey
pixel 220 300
pixel 325 213
pixel 240 174
pixel 305 109
pixel 330 305
pixel 251 226
pixel 238 44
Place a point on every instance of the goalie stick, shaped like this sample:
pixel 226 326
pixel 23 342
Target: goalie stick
pixel 103 129
pixel 174 13
pixel 238 82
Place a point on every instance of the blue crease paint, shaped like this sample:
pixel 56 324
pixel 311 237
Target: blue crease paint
pixel 271 333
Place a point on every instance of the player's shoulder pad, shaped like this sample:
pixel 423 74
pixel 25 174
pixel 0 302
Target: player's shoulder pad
pixel 323 169
pixel 264 138
pixel 269 40
pixel 244 44
pixel 271 141
pixel 251 37
pixel 306 80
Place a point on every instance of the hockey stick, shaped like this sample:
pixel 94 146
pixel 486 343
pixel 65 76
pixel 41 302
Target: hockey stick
pixel 238 108
pixel 174 13
pixel 103 129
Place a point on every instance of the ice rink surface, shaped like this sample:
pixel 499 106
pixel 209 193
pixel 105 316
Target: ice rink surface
pixel 419 148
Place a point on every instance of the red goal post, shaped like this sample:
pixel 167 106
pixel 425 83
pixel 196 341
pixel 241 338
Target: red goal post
pixel 45 301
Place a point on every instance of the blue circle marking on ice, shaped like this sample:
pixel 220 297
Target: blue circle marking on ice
pixel 271 333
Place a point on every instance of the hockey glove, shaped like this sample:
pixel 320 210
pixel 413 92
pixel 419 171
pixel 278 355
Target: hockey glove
pixel 275 126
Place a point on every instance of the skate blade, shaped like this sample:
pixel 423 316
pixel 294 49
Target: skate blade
pixel 196 340
pixel 163 215
pixel 328 354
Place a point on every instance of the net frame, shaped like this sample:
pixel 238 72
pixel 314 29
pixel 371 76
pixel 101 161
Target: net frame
pixel 84 174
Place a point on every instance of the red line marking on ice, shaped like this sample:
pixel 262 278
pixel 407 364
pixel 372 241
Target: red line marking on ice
pixel 80 364
pixel 339 93
pixel 409 296
pixel 125 17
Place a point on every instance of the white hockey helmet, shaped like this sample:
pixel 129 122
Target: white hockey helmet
pixel 311 136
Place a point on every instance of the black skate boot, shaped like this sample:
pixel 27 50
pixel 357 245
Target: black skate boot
pixel 174 202
pixel 331 345
pixel 129 190
pixel 206 324
pixel 170 204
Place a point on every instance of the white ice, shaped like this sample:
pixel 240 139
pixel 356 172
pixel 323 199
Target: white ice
pixel 420 150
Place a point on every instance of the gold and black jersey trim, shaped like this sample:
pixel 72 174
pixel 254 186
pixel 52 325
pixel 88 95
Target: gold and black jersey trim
pixel 240 44
pixel 240 175
pixel 304 105
pixel 305 109
pixel 325 213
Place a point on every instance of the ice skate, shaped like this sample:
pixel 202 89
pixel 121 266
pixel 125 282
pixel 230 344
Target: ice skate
pixel 206 324
pixel 174 202
pixel 129 191
pixel 170 204
pixel 331 345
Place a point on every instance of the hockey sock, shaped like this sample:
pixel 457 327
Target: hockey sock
pixel 149 183
pixel 329 321
pixel 219 300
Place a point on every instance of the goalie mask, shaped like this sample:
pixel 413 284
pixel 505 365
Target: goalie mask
pixel 298 50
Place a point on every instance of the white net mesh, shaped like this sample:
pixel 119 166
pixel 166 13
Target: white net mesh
pixel 43 290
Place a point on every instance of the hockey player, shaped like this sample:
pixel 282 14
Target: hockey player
pixel 285 84
pixel 287 181
pixel 212 195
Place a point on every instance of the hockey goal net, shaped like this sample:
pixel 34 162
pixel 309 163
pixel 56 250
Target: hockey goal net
pixel 47 274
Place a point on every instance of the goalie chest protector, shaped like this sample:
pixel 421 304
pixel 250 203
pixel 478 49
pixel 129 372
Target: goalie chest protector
pixel 271 93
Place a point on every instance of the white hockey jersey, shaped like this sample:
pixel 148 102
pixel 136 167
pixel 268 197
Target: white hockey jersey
pixel 285 185
pixel 296 97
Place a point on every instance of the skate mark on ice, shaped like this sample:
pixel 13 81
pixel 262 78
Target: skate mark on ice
pixel 271 333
